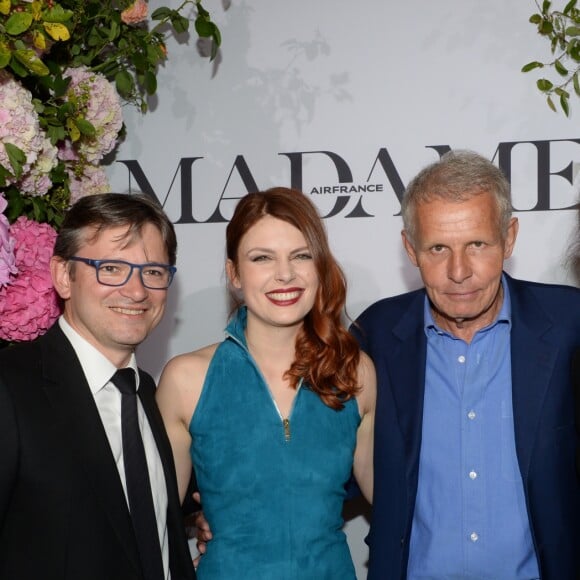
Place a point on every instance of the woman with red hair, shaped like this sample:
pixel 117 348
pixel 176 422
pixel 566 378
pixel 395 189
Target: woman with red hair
pixel 276 416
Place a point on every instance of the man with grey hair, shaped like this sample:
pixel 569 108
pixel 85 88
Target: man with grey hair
pixel 474 437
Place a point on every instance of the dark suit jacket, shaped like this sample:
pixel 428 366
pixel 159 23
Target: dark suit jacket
pixel 545 331
pixel 576 383
pixel 63 513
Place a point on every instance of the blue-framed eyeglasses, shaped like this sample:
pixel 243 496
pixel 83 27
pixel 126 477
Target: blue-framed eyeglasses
pixel 117 272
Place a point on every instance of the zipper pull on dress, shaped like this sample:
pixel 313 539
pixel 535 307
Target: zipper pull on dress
pixel 286 425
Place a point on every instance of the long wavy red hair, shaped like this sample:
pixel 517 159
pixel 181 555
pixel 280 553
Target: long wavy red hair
pixel 327 356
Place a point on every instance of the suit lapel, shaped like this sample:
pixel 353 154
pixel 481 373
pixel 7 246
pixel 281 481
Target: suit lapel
pixel 533 359
pixel 406 368
pixel 76 414
pixel 179 559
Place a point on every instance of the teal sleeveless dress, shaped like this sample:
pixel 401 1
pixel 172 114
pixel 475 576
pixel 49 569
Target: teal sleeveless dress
pixel 272 493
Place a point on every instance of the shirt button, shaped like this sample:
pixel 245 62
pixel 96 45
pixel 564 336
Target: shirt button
pixel 471 414
pixel 473 474
pixel 461 359
pixel 473 537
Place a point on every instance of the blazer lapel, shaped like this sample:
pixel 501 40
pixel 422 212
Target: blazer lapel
pixel 76 414
pixel 406 368
pixel 533 359
pixel 179 556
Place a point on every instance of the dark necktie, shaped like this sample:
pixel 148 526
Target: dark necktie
pixel 137 479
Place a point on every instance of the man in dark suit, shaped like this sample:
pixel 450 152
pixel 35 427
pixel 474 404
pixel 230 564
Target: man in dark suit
pixel 474 432
pixel 64 481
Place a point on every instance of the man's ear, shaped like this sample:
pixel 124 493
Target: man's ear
pixel 61 277
pixel 407 244
pixel 510 238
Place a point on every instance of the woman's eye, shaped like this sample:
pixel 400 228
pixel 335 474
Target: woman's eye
pixel 260 258
pixel 303 257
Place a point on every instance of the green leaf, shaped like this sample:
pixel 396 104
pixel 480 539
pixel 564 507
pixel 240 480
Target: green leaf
pixel 560 68
pixel 564 105
pixel 546 6
pixel 546 27
pixel 536 18
pixel 4 175
pixel 562 92
pixel 55 133
pixel 569 6
pixel 124 83
pixel 16 157
pixel 572 31
pixel 576 83
pixel 203 27
pixel 29 59
pixel 85 127
pixel 114 31
pixel 18 23
pixel 544 85
pixel 180 24
pixel 18 68
pixel 153 54
pixel 551 104
pixel 150 82
pixel 5 55
pixel 575 51
pixel 531 66
pixel 57 14
pixel 201 10
pixel 73 131
pixel 161 13
pixel 217 36
pixel 60 85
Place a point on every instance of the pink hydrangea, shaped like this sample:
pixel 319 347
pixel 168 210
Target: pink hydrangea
pixel 136 13
pixel 100 105
pixel 34 243
pixel 7 258
pixel 93 180
pixel 28 307
pixel 37 181
pixel 29 304
pixel 19 126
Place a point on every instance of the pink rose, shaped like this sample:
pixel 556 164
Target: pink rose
pixel 136 13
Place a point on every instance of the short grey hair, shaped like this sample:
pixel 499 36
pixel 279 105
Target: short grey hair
pixel 457 176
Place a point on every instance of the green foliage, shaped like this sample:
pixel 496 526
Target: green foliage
pixel 41 39
pixel 561 28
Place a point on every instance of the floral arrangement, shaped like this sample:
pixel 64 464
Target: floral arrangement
pixel 562 29
pixel 66 69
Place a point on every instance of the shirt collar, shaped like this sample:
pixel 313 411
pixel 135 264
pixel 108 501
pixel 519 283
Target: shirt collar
pixel 97 367
pixel 504 314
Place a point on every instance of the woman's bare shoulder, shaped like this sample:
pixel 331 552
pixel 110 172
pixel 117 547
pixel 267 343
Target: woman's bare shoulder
pixel 190 364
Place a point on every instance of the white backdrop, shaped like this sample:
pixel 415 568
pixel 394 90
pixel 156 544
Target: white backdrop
pixel 368 92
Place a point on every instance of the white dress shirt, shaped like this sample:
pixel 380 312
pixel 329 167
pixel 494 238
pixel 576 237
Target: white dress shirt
pixel 98 372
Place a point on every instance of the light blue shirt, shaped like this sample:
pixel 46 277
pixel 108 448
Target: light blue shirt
pixel 470 518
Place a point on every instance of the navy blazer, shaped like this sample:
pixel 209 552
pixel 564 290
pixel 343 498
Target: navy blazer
pixel 63 512
pixel 545 332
